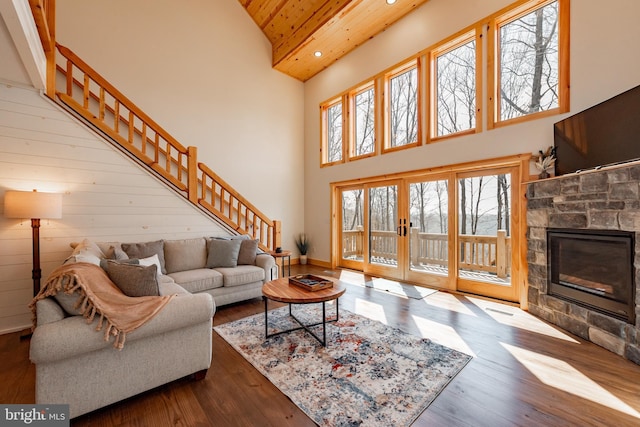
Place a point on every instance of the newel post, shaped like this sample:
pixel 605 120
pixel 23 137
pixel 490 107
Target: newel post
pixel 277 234
pixel 192 170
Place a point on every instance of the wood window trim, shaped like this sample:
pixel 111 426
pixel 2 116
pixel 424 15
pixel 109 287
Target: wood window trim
pixel 351 113
pixel 324 148
pixel 485 62
pixel 506 16
pixel 413 63
pixel 461 38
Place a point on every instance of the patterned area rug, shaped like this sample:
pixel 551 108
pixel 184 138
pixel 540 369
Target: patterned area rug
pixel 369 374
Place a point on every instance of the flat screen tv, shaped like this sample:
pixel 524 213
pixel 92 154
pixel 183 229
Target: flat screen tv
pixel 605 134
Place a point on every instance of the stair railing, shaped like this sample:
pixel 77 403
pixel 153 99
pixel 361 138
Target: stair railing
pixel 91 96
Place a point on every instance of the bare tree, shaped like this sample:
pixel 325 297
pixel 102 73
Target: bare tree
pixel 529 63
pixel 456 89
pixel 404 108
pixel 504 208
pixel 364 122
pixel 334 133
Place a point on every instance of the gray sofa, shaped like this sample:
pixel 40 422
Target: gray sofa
pixel 207 265
pixel 75 366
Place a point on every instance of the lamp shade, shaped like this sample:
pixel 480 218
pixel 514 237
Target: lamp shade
pixel 32 204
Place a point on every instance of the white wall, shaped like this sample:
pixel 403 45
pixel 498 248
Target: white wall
pixel 604 62
pixel 202 70
pixel 106 197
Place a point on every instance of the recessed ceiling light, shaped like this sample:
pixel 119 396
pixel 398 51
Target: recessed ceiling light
pixel 391 1
pixel 317 54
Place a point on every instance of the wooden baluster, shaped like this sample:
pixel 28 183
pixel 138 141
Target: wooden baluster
pixel 116 116
pixel 69 78
pixel 144 138
pixel 85 92
pixel 156 151
pixel 167 154
pixel 130 127
pixel 101 106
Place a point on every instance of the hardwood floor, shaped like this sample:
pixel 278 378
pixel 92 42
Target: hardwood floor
pixel 524 372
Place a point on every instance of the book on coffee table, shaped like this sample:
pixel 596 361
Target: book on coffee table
pixel 310 282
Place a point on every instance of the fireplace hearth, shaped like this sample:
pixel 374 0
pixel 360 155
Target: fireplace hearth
pixel 584 266
pixel 594 269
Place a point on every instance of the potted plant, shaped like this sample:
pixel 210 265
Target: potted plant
pixel 545 161
pixel 302 242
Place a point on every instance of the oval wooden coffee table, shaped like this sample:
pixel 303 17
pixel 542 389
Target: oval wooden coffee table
pixel 280 290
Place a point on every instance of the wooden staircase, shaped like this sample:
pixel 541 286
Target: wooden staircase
pixel 87 94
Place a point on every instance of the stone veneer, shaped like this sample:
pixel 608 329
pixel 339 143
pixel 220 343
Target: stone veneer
pixel 607 199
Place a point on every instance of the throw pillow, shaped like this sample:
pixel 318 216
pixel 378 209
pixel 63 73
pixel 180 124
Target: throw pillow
pixel 104 263
pixel 86 251
pixel 116 253
pixel 134 280
pixel 152 260
pixel 68 302
pixel 185 254
pixel 146 249
pixel 248 252
pixel 223 253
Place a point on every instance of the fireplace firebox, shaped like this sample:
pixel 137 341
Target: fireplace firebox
pixel 594 269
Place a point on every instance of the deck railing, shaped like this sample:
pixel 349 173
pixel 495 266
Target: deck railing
pixel 489 254
pixel 92 97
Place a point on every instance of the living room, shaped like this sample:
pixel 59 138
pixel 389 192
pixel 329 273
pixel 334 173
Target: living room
pixel 233 105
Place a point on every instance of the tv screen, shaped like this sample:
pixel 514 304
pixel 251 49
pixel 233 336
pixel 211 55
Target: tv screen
pixel 604 134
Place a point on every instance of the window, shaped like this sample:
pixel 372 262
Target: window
pixel 402 107
pixel 454 82
pixel 518 56
pixel 363 138
pixel 529 44
pixel 332 132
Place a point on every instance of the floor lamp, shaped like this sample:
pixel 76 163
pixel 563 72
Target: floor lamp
pixel 37 206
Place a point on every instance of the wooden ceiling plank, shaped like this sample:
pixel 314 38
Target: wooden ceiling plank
pixel 304 30
pixel 294 14
pixel 262 11
pixel 298 28
pixel 341 35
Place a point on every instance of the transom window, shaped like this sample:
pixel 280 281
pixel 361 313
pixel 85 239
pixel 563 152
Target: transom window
pixel 402 107
pixel 437 93
pixel 455 76
pixel 529 66
pixel 332 146
pixel 363 138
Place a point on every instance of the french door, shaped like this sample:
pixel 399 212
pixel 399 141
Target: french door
pixel 485 207
pixel 386 229
pixel 453 230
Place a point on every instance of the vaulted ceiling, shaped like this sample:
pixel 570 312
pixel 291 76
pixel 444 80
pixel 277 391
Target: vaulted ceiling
pixel 297 29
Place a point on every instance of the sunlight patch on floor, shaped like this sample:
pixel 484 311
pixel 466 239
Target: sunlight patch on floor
pixel 352 277
pixel 448 301
pixel 515 317
pixel 371 310
pixel 561 375
pixel 441 334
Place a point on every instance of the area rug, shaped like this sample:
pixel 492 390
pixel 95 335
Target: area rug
pixel 369 374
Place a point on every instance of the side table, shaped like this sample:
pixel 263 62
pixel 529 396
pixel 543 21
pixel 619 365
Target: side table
pixel 282 255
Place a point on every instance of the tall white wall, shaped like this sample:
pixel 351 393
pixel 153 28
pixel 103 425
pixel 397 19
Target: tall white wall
pixel 604 62
pixel 106 196
pixel 202 70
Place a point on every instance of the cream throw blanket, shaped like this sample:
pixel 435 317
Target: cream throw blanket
pixel 119 313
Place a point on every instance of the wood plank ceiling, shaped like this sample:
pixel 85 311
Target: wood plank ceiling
pixel 299 28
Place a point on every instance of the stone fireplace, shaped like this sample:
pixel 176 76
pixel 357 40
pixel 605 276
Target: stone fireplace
pixel 571 221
